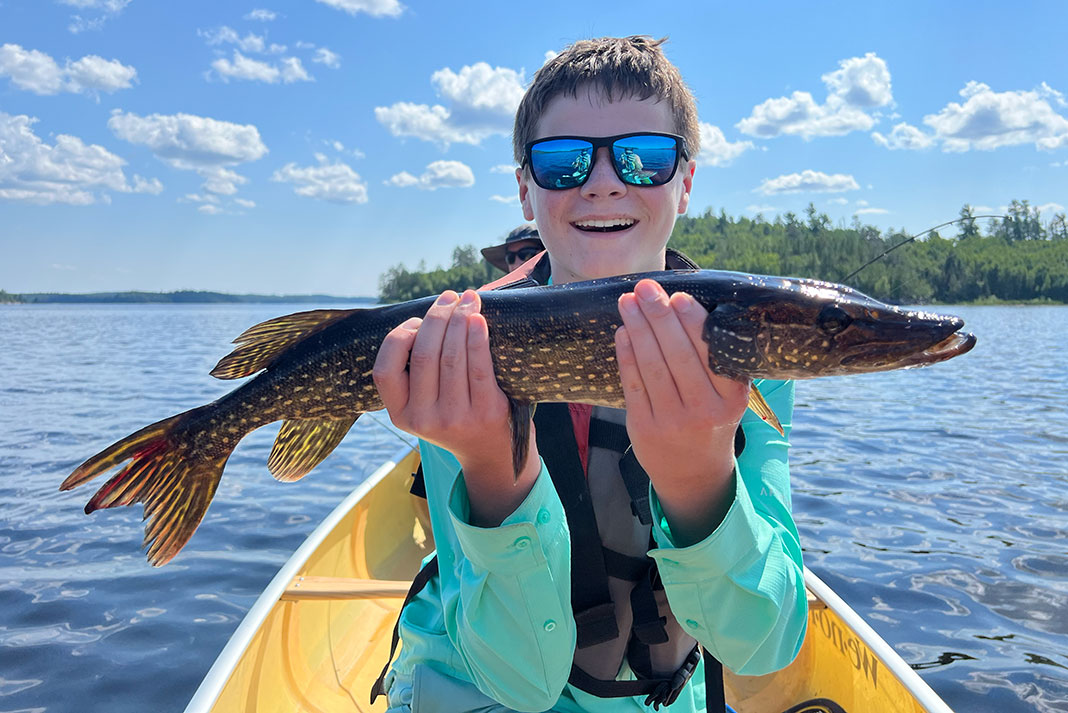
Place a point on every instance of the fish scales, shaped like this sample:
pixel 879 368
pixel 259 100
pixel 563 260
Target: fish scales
pixel 313 370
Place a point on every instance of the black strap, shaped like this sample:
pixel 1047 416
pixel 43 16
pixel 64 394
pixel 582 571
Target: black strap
pixel 626 567
pixel 590 599
pixel 424 575
pixel 608 435
pixel 649 627
pixel 715 698
pixel 418 488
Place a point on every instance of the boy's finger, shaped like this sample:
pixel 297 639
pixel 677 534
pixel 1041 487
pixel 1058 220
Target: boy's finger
pixel 426 352
pixel 453 384
pixel 692 316
pixel 651 364
pixel 630 377
pixel 484 386
pixel 687 369
pixel 389 372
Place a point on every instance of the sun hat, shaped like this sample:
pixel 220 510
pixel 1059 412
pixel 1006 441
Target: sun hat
pixel 496 255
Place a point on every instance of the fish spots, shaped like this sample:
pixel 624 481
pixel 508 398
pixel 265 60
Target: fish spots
pixel 343 372
pixel 360 358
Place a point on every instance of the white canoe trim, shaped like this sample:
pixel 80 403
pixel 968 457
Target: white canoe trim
pixel 901 670
pixel 216 678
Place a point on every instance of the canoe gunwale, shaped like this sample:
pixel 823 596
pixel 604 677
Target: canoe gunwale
pixel 904 673
pixel 219 673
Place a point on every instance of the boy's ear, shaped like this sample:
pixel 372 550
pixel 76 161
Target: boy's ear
pixel 524 193
pixel 687 184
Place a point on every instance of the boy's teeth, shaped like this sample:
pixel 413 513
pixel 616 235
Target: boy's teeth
pixel 616 223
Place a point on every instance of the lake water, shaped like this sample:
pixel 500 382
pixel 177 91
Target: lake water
pixel 934 501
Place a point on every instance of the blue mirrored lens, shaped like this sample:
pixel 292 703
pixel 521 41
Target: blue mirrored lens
pixel 645 160
pixel 561 163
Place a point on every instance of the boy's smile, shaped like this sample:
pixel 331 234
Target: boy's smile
pixel 604 227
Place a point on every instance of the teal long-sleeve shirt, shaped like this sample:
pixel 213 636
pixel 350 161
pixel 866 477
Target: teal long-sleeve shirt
pixel 494 630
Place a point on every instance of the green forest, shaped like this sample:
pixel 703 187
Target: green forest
pixel 1017 257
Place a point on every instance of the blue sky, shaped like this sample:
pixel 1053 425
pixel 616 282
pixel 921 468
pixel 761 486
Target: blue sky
pixel 308 145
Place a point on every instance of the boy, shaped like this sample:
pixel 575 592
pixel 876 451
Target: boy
pixel 532 609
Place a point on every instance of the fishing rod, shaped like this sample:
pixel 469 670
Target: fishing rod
pixel 889 250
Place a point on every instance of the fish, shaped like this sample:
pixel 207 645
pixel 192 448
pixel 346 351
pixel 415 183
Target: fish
pixel 313 371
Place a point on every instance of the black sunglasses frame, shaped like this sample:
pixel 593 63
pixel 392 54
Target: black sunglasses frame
pixel 517 255
pixel 682 153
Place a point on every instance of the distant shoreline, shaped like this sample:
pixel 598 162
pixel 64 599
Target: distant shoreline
pixel 179 297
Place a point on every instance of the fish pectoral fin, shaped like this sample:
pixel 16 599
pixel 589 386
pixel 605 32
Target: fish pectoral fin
pixel 760 407
pixel 303 444
pixel 519 415
pixel 259 345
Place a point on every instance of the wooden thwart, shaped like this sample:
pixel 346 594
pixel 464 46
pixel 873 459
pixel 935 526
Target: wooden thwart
pixel 309 587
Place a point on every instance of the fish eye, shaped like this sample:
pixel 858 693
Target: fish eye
pixel 833 319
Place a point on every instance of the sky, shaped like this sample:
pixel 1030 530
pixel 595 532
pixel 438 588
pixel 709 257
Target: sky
pixel 307 146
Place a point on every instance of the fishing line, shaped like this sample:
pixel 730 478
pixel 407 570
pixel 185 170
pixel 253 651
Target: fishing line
pixel 889 250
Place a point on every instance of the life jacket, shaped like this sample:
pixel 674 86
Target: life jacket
pixel 619 604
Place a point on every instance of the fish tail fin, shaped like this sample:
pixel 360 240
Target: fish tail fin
pixel 173 479
pixel 303 444
pixel 519 415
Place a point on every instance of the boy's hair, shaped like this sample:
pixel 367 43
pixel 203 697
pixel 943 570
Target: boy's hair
pixel 616 66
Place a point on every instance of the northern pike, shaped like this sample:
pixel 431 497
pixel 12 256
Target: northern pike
pixel 548 344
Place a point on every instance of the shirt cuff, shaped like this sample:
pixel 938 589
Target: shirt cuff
pixel 518 544
pixel 743 534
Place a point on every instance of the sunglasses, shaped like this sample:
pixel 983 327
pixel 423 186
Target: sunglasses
pixel 641 159
pixel 522 254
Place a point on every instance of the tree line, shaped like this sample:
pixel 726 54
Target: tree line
pixel 1017 257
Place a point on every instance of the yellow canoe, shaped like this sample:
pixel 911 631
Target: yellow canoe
pixel 319 634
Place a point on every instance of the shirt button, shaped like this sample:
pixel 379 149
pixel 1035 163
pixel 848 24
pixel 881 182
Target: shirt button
pixel 692 624
pixel 544 516
pixel 522 543
pixel 550 625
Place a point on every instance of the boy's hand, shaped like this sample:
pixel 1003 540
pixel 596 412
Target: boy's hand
pixel 435 377
pixel 681 417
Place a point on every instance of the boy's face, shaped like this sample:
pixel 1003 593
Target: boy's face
pixel 564 217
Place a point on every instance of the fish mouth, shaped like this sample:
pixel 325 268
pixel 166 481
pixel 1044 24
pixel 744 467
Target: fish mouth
pixel 954 345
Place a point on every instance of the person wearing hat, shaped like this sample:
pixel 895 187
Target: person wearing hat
pixel 521 244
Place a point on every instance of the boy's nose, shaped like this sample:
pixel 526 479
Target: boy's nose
pixel 603 180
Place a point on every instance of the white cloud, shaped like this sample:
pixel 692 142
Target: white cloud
pixel 245 203
pixel 39 73
pixel 871 211
pixel 482 100
pixel 1050 207
pixel 764 208
pixel 194 143
pixel 716 150
pixel 439 174
pixel 903 136
pixel 374 8
pixel 838 201
pixel 808 180
pixel 507 200
pixel 293 71
pixel 335 182
pixel 145 185
pixel 254 70
pixel 325 56
pixel 210 209
pixel 69 171
pixel 262 15
pixel 507 168
pixel 860 84
pixel 104 9
pixel 227 35
pixel 988 120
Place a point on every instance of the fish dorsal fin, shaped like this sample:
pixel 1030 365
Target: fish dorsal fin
pixel 259 345
pixel 761 408
pixel 303 444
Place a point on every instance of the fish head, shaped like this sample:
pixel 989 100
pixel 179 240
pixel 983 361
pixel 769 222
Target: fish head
pixel 787 328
